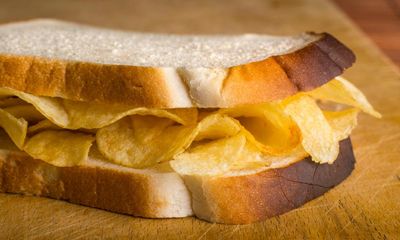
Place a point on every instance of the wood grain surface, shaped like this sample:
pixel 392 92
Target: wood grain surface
pixel 380 20
pixel 365 206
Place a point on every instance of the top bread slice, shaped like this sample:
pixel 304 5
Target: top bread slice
pixel 76 62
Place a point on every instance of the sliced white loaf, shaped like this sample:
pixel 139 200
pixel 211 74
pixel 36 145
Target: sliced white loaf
pixel 53 58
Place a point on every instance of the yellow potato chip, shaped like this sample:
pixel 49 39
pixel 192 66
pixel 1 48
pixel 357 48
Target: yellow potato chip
pixel 184 116
pixel 342 91
pixel 318 138
pixel 51 108
pixel 92 115
pixel 295 155
pixel 219 157
pixel 268 127
pixel 59 148
pixel 142 141
pixel 74 115
pixel 342 122
pixel 205 112
pixel 16 128
pixel 42 125
pixel 25 111
pixel 10 101
pixel 216 126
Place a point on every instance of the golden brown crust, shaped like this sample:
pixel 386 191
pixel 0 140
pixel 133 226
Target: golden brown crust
pixel 232 200
pixel 270 79
pixel 251 198
pixel 255 83
pixel 281 76
pixel 105 188
pixel 137 86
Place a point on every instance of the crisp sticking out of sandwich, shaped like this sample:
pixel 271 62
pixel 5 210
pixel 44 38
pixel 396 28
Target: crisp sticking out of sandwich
pixel 231 129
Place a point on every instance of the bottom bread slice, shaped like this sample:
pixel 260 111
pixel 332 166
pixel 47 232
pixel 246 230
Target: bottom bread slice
pixel 255 197
pixel 162 194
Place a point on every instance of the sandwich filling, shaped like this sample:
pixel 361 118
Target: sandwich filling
pixel 192 141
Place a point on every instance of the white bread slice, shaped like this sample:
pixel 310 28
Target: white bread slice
pixel 152 193
pixel 155 193
pixel 58 59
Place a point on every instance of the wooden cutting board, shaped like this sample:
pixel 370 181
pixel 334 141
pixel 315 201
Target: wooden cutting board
pixel 366 205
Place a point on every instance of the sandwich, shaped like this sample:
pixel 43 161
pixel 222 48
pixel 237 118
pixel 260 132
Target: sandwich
pixel 230 129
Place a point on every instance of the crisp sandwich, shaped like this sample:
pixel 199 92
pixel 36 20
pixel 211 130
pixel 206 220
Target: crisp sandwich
pixel 227 128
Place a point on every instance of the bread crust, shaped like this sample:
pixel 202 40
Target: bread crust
pixel 232 200
pixel 251 198
pixel 135 192
pixel 270 79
